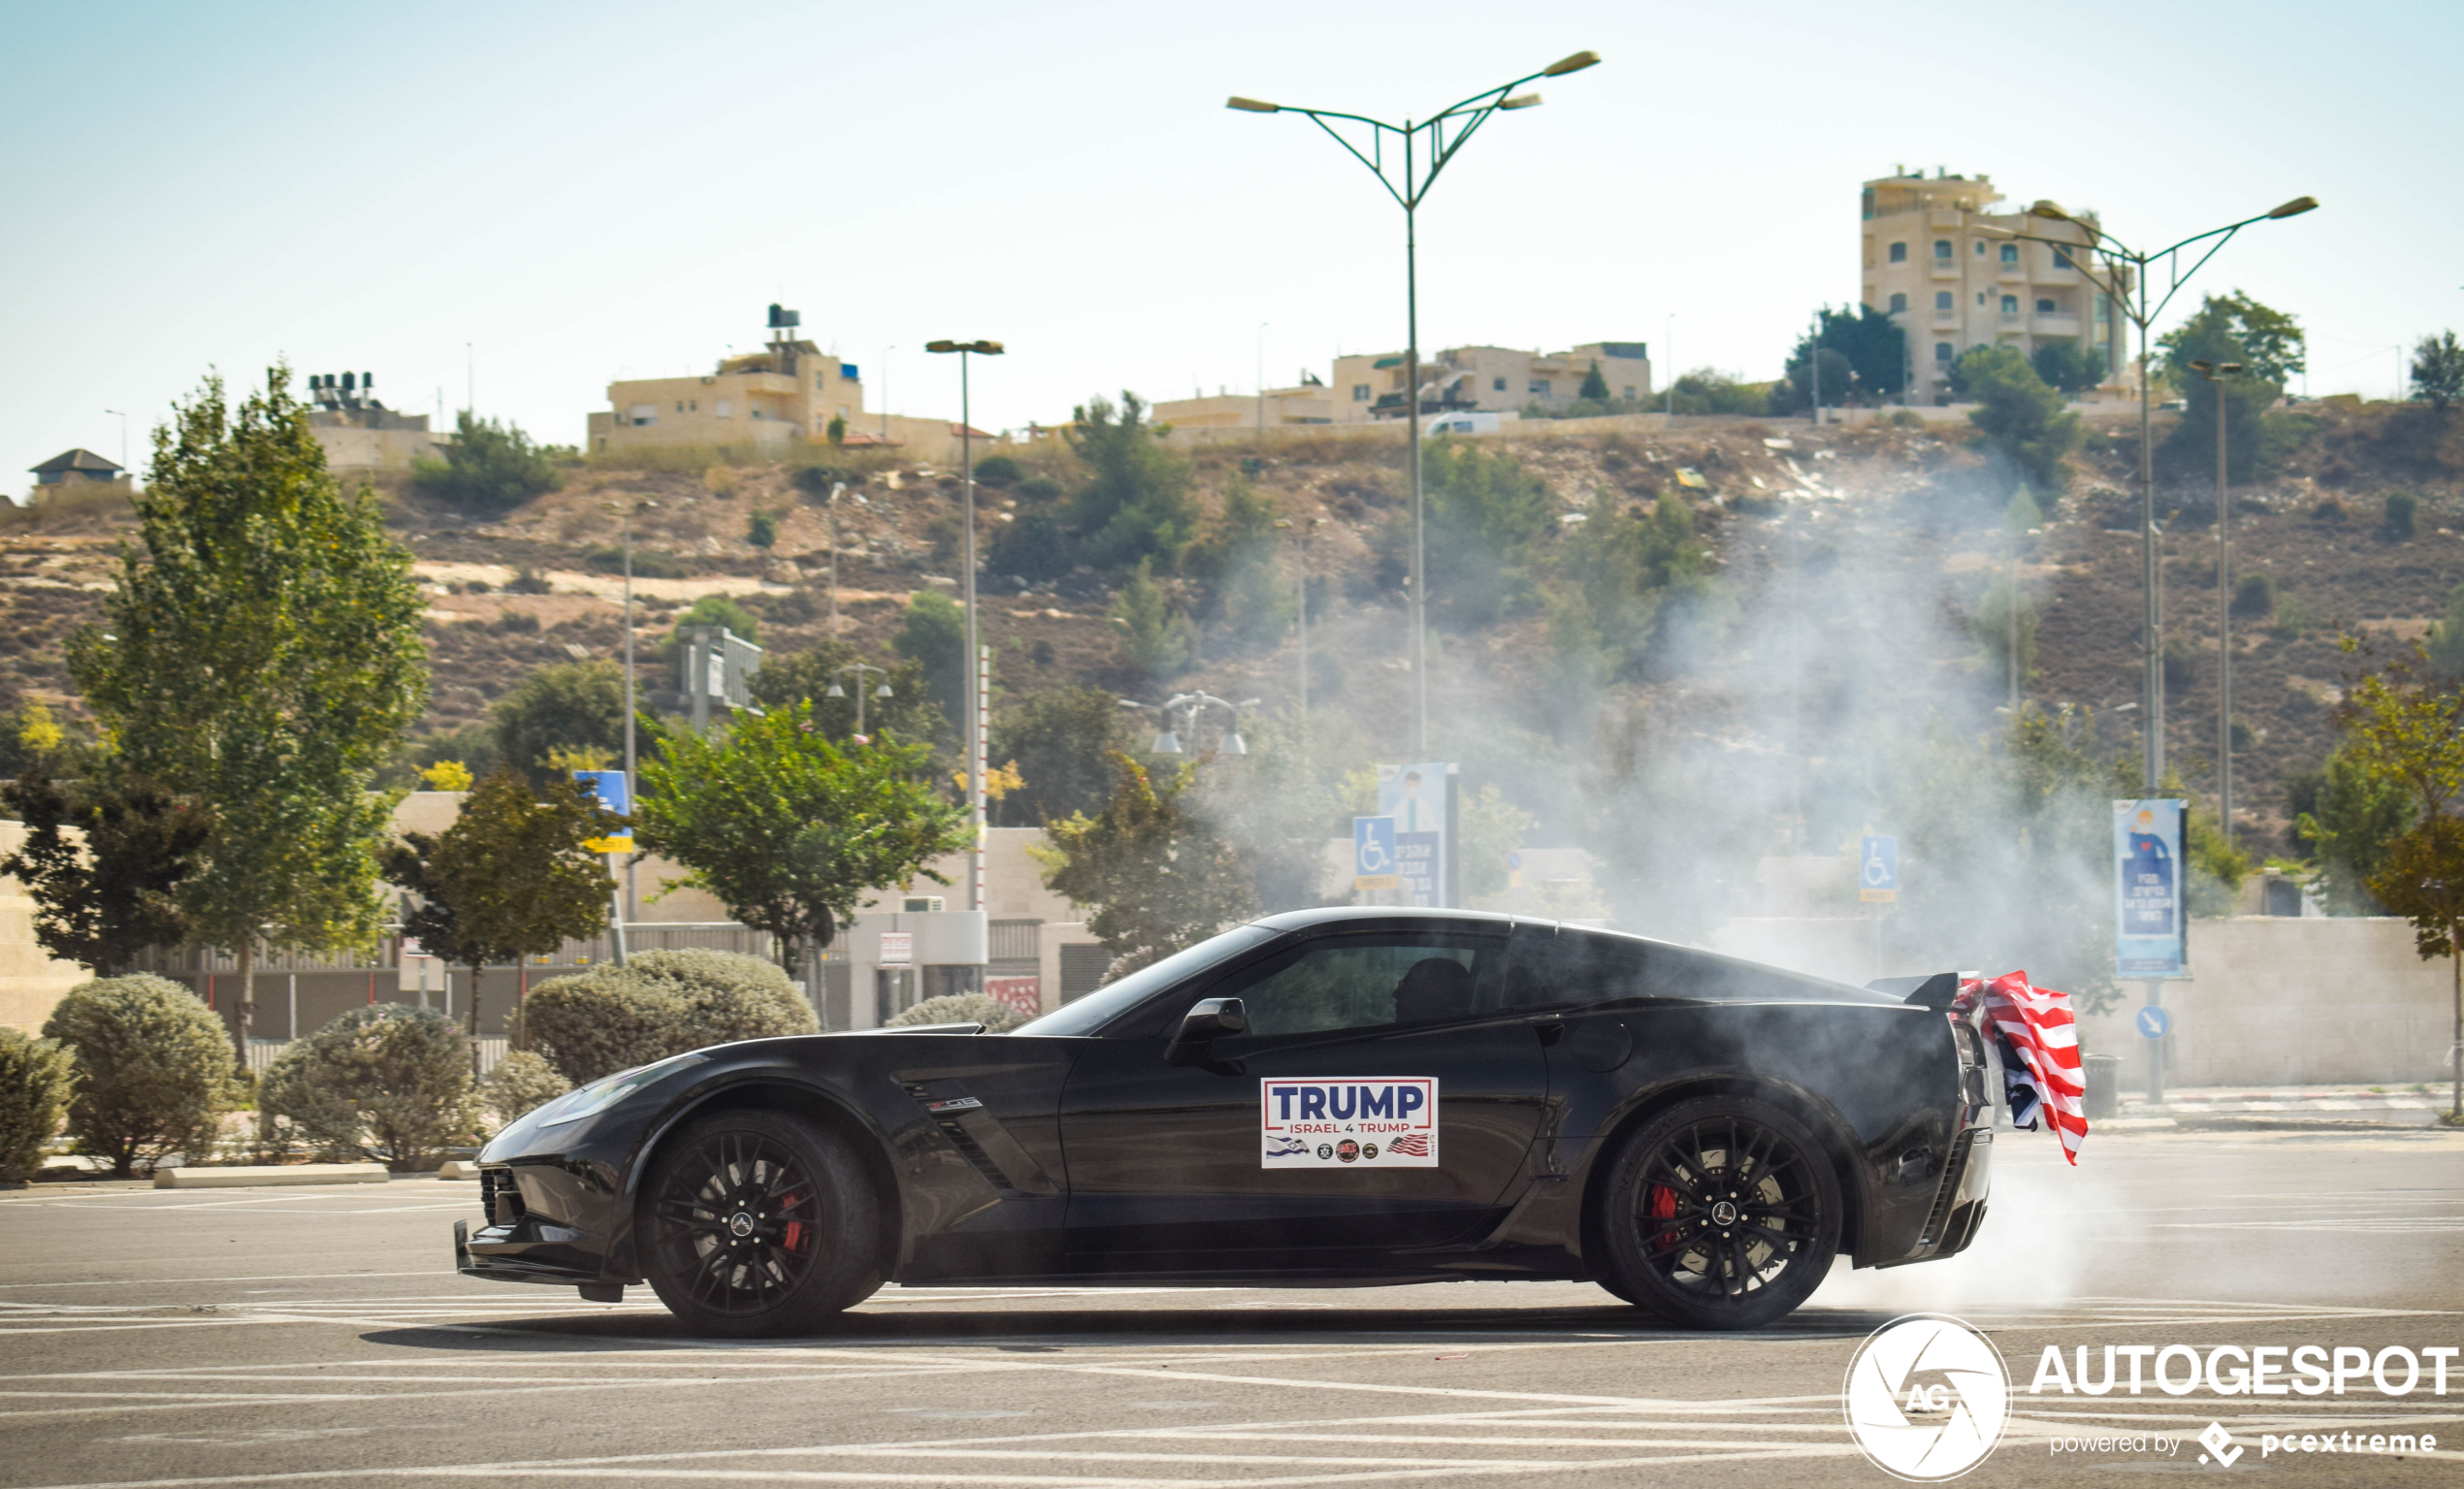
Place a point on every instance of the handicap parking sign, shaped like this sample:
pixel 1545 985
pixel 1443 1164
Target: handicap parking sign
pixel 1374 865
pixel 1878 870
pixel 2154 1023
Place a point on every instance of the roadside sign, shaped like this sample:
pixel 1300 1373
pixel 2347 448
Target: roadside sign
pixel 1373 854
pixel 2154 1023
pixel 897 949
pixel 1878 870
pixel 1023 993
pixel 1419 797
pixel 610 788
pixel 2149 920
pixel 1513 870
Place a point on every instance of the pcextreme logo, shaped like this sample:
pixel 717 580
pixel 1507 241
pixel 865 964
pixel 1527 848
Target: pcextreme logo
pixel 1927 1397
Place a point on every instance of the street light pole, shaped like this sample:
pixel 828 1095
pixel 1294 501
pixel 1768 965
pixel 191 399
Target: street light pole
pixel 974 706
pixel 2218 375
pixel 2126 284
pixel 1447 131
pixel 123 438
pixel 1261 375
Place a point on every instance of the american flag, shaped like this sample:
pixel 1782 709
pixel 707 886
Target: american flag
pixel 1412 1144
pixel 2035 1023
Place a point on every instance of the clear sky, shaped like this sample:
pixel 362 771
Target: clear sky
pixel 582 193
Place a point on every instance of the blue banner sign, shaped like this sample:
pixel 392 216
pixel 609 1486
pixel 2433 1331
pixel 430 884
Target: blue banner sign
pixel 2151 933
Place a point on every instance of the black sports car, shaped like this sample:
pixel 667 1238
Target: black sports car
pixel 1325 1097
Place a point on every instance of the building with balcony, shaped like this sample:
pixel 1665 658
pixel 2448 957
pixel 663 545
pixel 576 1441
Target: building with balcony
pixel 1491 379
pixel 1936 261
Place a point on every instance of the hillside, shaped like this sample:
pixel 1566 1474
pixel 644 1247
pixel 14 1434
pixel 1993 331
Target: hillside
pixel 1848 562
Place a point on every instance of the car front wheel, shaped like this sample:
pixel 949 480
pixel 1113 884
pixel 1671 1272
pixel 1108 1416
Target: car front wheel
pixel 1721 1212
pixel 758 1223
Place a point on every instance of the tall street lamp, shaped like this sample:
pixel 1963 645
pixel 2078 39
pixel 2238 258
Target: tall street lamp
pixel 2219 373
pixel 1300 531
pixel 1187 706
pixel 2125 282
pixel 123 437
pixel 860 668
pixel 1447 132
pixel 973 683
pixel 633 789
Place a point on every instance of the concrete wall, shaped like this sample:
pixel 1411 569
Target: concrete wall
pixel 31 978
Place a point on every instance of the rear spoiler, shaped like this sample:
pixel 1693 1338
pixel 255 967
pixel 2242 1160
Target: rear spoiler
pixel 1935 993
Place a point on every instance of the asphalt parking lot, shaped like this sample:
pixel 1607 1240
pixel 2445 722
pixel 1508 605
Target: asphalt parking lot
pixel 308 1336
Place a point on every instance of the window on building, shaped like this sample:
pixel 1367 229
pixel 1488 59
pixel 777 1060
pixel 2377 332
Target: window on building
pixel 1899 303
pixel 2010 253
pixel 1360 392
pixel 1942 300
pixel 680 405
pixel 1942 250
pixel 1539 387
pixel 2047 307
pixel 1498 384
pixel 1980 247
pixel 2010 305
pixel 1629 393
pixel 643 415
pixel 1898 254
pixel 2061 259
pixel 1941 351
pixel 754 411
pixel 725 408
pixel 1980 297
pixel 692 406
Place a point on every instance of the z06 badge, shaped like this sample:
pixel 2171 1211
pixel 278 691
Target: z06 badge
pixel 1359 1121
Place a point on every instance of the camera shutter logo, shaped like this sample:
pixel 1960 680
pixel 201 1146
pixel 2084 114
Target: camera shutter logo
pixel 1926 1398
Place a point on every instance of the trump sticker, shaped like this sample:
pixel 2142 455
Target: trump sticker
pixel 1349 1122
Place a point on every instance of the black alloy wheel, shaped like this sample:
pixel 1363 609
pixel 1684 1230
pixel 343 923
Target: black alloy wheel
pixel 1721 1212
pixel 758 1223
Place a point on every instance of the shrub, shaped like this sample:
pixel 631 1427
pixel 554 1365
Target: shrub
pixel 153 1070
pixel 648 563
pixel 2330 512
pixel 1031 547
pixel 2254 596
pixel 527 580
pixel 996 470
pixel 2400 509
pixel 523 1081
pixel 996 1016
pixel 34 1095
pixel 390 1083
pixel 522 621
pixel 721 480
pixel 661 1003
pixel 488 467
pixel 762 529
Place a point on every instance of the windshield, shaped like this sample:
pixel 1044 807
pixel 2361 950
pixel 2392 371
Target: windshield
pixel 1109 1002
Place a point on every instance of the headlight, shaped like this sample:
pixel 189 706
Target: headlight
pixel 601 1094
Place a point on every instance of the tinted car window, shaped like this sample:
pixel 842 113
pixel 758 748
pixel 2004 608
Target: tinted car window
pixel 1570 970
pixel 1360 982
pixel 1101 1007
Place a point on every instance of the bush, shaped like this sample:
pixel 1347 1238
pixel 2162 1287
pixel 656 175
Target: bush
pixel 648 563
pixel 523 1081
pixel 610 1019
pixel 996 1016
pixel 488 467
pixel 2398 525
pixel 153 1070
pixel 34 1095
pixel 997 470
pixel 390 1083
pixel 527 580
pixel 2330 512
pixel 762 529
pixel 1032 547
pixel 2254 596
pixel 721 480
pixel 521 621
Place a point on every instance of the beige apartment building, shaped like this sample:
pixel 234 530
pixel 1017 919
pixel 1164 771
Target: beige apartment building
pixel 763 405
pixel 1491 379
pixel 1937 261
pixel 359 433
pixel 1307 404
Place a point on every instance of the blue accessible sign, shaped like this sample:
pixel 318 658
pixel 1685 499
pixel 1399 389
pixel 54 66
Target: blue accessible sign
pixel 611 790
pixel 1878 870
pixel 1373 854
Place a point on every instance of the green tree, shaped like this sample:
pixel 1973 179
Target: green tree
pixel 153 1070
pixel 509 879
pixel 101 899
pixel 1156 876
pixel 806 676
pixel 2268 342
pixel 1136 501
pixel 36 1076
pixel 1795 392
pixel 762 529
pixel 1483 512
pixel 1032 547
pixel 2019 415
pixel 1595 387
pixel 659 1004
pixel 488 467
pixel 790 830
pixel 836 429
pixel 390 1083
pixel 1869 344
pixel 260 655
pixel 2067 366
pixel 934 636
pixel 1709 390
pixel 2423 880
pixel 1161 639
pixel 1237 564
pixel 1061 740
pixel 2252 437
pixel 710 610
pixel 568 706
pixel 2438 370
pixel 2445 643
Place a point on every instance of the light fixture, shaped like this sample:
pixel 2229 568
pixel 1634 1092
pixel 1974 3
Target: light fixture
pixel 1166 743
pixel 1526 101
pixel 883 691
pixel 1231 744
pixel 1251 106
pixel 2049 210
pixel 2296 206
pixel 835 691
pixel 1573 64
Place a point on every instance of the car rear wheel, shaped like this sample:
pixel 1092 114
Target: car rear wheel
pixel 758 1223
pixel 1721 1212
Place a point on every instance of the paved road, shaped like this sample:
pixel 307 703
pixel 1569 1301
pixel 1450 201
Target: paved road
pixel 315 1335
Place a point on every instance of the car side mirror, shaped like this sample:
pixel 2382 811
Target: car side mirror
pixel 1206 1019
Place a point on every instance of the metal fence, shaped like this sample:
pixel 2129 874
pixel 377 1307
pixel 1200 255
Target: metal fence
pixel 262 1052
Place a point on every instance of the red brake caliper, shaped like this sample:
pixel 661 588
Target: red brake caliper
pixel 1663 1206
pixel 794 1239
